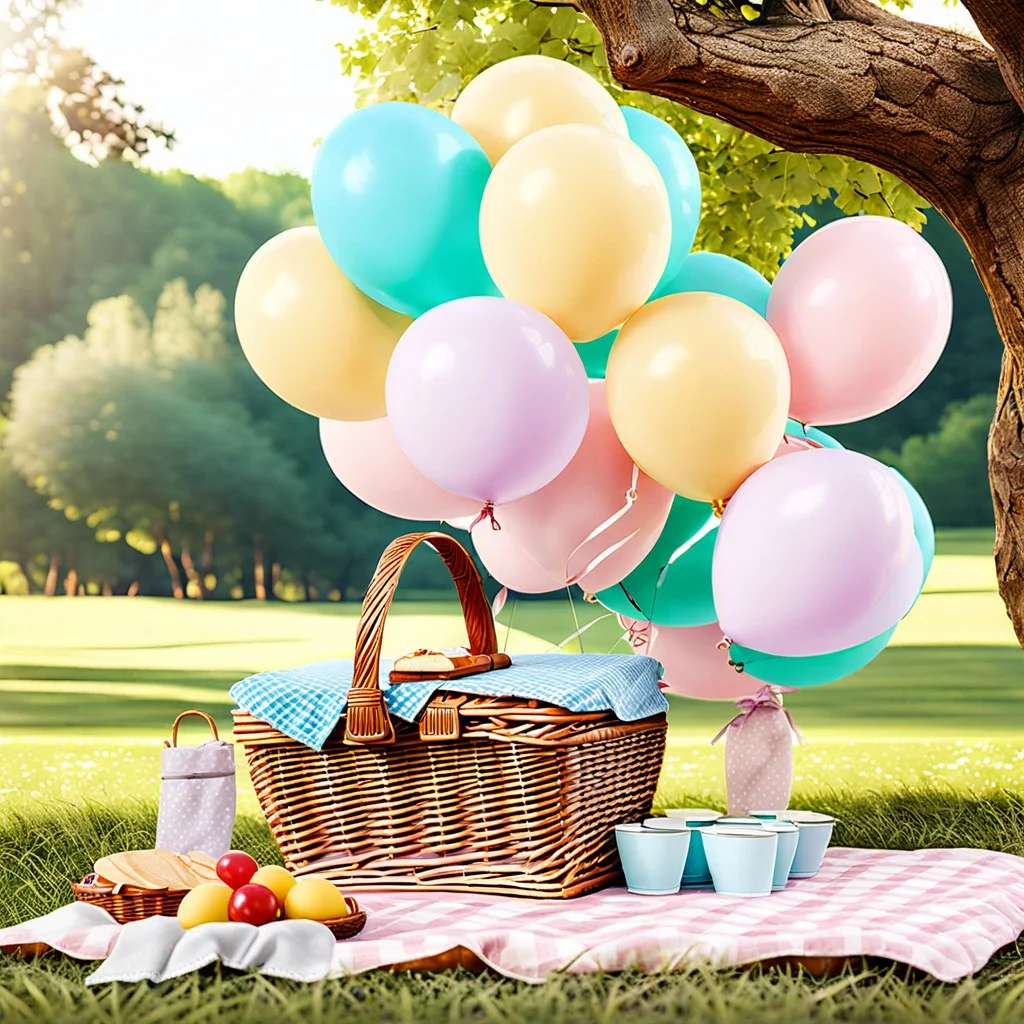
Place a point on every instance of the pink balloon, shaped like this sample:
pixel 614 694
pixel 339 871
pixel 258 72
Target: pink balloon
pixel 815 553
pixel 536 548
pixel 863 309
pixel 693 664
pixel 488 398
pixel 364 455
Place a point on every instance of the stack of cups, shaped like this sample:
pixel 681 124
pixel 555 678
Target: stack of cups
pixel 754 855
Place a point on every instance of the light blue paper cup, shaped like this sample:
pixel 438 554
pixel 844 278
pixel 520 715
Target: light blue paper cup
pixel 652 858
pixel 697 874
pixel 742 860
pixel 789 838
pixel 814 836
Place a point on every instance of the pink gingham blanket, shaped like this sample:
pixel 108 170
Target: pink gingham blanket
pixel 945 912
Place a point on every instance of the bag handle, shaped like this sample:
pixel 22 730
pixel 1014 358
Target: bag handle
pixel 367 720
pixel 199 714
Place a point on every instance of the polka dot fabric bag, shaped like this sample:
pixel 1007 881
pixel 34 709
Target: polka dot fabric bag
pixel 197 794
pixel 759 754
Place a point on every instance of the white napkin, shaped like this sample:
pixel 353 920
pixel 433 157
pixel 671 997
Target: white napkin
pixel 159 948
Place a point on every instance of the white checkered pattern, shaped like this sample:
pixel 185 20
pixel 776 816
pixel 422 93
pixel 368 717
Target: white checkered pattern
pixel 945 912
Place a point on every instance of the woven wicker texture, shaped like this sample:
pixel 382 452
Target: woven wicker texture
pixel 488 794
pixel 131 904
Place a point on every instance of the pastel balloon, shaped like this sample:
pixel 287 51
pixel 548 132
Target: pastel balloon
pixel 671 595
pixel 516 97
pixel 698 390
pixel 816 670
pixel 311 336
pixel 595 354
pixel 396 195
pixel 678 170
pixel 863 309
pixel 367 459
pixel 827 668
pixel 723 275
pixel 924 529
pixel 488 398
pixel 575 222
pixel 543 541
pixel 693 664
pixel 815 554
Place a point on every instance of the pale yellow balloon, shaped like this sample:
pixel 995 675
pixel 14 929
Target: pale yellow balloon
pixel 575 222
pixel 311 336
pixel 521 95
pixel 698 391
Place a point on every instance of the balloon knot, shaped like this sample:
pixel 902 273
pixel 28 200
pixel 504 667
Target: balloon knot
pixel 590 598
pixel 718 506
pixel 487 512
pixel 724 644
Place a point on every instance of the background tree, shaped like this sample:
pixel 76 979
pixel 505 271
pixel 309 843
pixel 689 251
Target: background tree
pixel 825 84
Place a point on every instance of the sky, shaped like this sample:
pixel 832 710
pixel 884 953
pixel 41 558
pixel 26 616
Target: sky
pixel 247 83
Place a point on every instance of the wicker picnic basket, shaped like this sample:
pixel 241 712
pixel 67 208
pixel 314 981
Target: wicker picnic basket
pixel 486 794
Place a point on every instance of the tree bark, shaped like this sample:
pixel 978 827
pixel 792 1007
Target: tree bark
pixel 938 109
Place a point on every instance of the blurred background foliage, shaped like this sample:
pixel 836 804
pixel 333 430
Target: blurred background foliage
pixel 138 452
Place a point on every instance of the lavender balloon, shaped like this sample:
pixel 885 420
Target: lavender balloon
pixel 488 398
pixel 815 554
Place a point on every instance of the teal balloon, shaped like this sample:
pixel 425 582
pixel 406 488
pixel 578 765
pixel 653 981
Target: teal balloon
pixel 712 272
pixel 924 529
pixel 812 671
pixel 595 354
pixel 396 195
pixel 679 171
pixel 795 429
pixel 684 597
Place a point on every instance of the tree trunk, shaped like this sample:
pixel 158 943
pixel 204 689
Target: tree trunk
pixel 192 573
pixel 133 589
pixel 942 111
pixel 52 574
pixel 258 569
pixel 71 580
pixel 172 567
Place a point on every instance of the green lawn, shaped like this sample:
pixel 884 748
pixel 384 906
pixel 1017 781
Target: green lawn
pixel 924 747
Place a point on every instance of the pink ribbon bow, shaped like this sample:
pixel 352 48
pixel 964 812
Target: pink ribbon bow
pixel 764 698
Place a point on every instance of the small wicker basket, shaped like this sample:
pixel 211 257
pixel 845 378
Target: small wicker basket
pixel 128 903
pixel 486 794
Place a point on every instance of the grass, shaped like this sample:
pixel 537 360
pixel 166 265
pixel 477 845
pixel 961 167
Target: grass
pixel 922 748
pixel 40 850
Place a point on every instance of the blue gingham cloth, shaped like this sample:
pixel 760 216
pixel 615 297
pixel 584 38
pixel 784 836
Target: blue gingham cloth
pixel 306 703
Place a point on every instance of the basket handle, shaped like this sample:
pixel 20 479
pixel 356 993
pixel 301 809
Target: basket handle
pixel 367 719
pixel 199 714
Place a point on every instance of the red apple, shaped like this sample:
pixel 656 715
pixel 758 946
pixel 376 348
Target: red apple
pixel 253 904
pixel 236 868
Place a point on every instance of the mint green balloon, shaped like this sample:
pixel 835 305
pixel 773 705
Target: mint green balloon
pixel 723 275
pixel 595 354
pixel 684 597
pixel 815 670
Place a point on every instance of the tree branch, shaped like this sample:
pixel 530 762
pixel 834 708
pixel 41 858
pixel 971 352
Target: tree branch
pixel 927 104
pixel 1001 23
